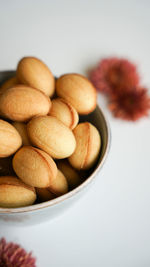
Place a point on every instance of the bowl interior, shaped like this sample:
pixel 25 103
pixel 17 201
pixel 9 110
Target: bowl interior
pixel 98 119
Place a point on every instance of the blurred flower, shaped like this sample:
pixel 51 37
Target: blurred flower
pixel 114 74
pixel 130 105
pixel 12 255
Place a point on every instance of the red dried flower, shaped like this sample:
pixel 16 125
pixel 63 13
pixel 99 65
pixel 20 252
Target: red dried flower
pixel 12 255
pixel 114 74
pixel 130 105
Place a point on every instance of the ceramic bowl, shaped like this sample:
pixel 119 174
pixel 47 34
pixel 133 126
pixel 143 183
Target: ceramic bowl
pixel 48 210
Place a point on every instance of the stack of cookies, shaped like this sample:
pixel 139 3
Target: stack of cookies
pixel 44 149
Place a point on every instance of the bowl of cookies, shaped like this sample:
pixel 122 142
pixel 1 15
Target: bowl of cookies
pixel 54 140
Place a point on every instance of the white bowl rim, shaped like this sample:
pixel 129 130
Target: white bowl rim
pixel 72 192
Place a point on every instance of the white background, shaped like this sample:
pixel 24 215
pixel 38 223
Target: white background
pixel 110 225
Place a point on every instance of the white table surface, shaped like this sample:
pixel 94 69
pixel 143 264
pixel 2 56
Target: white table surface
pixel 110 225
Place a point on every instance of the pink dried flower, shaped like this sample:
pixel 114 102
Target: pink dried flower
pixel 114 74
pixel 12 255
pixel 130 105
